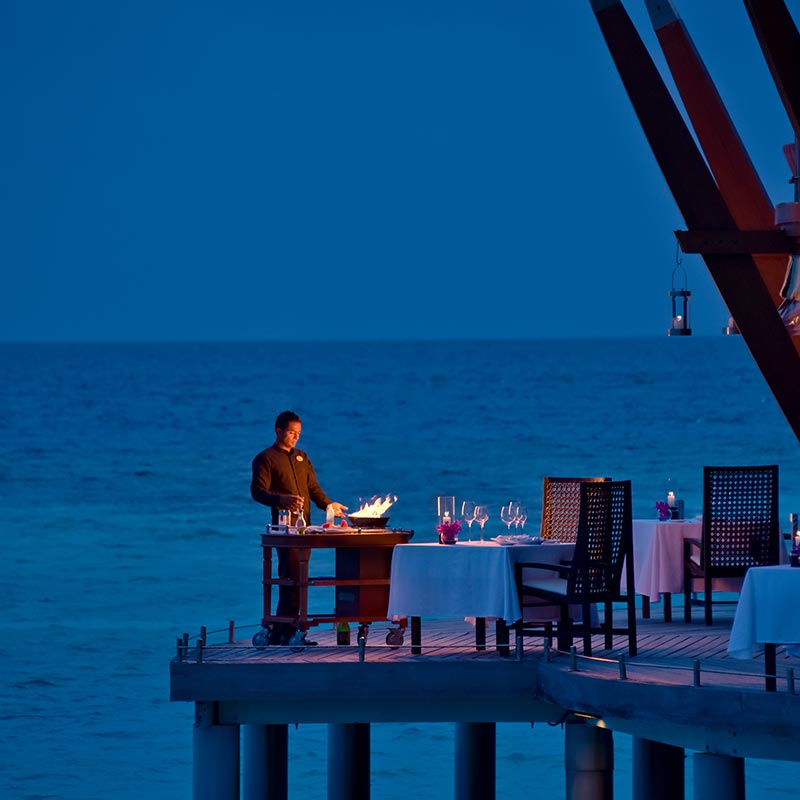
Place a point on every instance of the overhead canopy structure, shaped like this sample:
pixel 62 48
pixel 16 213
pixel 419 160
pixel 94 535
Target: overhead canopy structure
pixel 730 218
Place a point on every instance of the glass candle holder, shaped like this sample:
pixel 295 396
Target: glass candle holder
pixel 445 508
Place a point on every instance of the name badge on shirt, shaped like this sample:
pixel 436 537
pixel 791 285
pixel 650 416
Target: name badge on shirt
pixel 299 458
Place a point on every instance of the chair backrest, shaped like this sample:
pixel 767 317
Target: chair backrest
pixel 561 502
pixel 740 519
pixel 604 542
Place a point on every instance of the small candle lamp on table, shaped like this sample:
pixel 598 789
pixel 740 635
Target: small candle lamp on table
pixel 675 505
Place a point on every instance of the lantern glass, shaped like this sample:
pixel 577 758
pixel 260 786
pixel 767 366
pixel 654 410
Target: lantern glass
pixel 445 508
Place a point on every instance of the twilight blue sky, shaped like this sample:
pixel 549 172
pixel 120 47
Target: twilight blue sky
pixel 355 170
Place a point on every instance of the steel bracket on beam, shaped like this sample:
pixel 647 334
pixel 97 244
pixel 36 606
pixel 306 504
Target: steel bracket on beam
pixel 726 242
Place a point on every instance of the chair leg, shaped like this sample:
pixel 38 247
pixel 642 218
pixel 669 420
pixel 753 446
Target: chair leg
pixel 687 596
pixel 608 620
pixel 707 598
pixel 501 637
pixel 667 607
pixel 633 647
pixel 564 633
pixel 770 667
pixel 586 614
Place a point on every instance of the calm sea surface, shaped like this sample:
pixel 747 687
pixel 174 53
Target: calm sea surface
pixel 124 484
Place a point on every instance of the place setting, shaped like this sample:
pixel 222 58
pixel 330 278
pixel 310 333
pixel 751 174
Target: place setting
pixel 515 513
pixel 450 526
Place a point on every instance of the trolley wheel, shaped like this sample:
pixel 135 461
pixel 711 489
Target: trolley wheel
pixel 297 641
pixel 261 638
pixel 395 637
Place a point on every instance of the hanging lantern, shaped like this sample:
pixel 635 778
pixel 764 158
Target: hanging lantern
pixel 731 329
pixel 681 325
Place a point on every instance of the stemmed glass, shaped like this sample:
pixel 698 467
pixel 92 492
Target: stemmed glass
pixel 508 514
pixel 481 517
pixel 468 515
pixel 522 517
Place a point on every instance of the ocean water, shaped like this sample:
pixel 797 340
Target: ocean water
pixel 124 486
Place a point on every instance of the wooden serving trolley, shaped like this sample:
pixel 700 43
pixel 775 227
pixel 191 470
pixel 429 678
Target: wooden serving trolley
pixel 361 580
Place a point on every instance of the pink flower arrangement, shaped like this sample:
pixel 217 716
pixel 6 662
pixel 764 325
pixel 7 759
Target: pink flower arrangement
pixel 664 511
pixel 454 526
pixel 448 531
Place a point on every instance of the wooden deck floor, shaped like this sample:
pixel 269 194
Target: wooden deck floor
pixel 667 655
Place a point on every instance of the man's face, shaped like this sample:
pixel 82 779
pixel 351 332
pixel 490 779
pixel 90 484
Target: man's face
pixel 286 438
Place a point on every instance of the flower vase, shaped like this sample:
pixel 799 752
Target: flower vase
pixel 448 537
pixel 664 511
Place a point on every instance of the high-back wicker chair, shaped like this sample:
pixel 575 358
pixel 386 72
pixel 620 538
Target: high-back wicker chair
pixel 740 529
pixel 561 501
pixel 603 545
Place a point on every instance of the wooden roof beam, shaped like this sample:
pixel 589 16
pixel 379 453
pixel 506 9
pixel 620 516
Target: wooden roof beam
pixel 703 208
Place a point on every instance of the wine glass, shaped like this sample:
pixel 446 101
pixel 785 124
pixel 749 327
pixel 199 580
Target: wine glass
pixel 522 517
pixel 481 517
pixel 508 513
pixel 468 515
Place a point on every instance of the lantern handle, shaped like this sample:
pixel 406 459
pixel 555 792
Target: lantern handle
pixel 679 266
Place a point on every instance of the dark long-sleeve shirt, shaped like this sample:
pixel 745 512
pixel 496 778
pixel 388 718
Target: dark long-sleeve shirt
pixel 278 472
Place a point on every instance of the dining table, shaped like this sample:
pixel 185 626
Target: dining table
pixel 658 559
pixel 766 616
pixel 473 580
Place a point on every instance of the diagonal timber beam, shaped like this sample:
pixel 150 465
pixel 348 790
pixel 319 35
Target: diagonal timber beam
pixel 780 42
pixel 703 208
pixel 738 181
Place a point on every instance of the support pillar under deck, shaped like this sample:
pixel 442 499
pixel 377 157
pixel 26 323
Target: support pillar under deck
pixel 658 771
pixel 475 762
pixel 588 761
pixel 265 757
pixel 718 777
pixel 215 772
pixel 348 761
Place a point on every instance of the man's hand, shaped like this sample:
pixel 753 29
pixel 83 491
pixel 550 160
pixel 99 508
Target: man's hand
pixel 339 509
pixel 294 502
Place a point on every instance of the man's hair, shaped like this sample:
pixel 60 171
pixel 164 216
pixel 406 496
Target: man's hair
pixel 284 418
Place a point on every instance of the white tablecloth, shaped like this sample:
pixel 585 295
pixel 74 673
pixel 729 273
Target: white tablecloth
pixel 468 579
pixel 658 554
pixel 767 611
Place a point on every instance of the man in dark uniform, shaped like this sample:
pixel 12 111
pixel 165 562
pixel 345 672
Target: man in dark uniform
pixel 284 477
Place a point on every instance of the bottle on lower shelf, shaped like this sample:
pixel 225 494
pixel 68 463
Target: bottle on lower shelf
pixel 343 633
